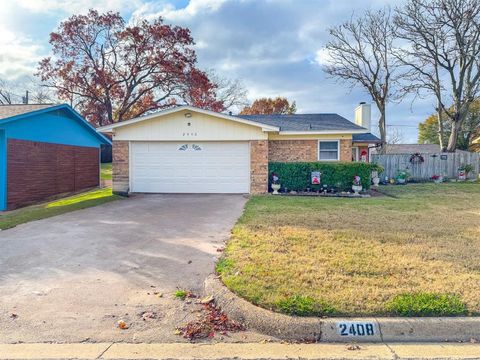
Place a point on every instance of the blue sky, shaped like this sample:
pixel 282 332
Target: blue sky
pixel 271 45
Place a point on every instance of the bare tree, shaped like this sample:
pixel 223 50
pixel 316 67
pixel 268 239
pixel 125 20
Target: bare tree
pixel 5 93
pixel 230 92
pixel 42 95
pixel 442 51
pixel 360 53
pixel 395 136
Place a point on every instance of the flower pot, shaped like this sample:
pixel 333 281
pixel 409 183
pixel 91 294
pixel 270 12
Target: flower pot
pixel 376 181
pixel 275 188
pixel 401 181
pixel 356 189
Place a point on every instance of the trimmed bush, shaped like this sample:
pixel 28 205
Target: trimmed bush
pixel 304 306
pixel 426 304
pixel 297 175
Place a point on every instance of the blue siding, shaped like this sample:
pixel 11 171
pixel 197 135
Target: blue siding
pixel 58 126
pixel 3 171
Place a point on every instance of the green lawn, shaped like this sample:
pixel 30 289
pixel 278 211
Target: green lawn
pixel 36 212
pixel 414 252
pixel 106 171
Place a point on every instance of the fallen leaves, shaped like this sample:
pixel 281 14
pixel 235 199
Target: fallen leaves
pixel 210 321
pixel 353 347
pixel 122 325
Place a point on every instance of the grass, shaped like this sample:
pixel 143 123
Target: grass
pixel 414 252
pixel 180 294
pixel 426 304
pixel 106 171
pixel 36 212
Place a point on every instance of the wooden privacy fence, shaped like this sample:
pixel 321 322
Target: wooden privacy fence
pixel 445 164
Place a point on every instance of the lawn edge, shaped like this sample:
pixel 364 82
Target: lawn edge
pixel 40 206
pixel 391 329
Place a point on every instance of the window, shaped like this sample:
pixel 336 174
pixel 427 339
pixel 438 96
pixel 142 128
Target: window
pixel 328 150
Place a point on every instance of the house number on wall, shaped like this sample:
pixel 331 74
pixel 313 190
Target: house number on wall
pixel 356 328
pixel 190 134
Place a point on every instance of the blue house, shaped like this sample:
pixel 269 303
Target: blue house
pixel 45 150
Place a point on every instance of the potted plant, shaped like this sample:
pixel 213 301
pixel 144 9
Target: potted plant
pixel 377 170
pixel 375 178
pixel 437 179
pixel 402 176
pixel 275 183
pixel 464 170
pixel 356 184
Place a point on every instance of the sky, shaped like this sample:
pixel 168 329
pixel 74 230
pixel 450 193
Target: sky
pixel 273 46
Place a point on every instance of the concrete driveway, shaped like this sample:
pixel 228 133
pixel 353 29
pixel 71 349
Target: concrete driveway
pixel 71 278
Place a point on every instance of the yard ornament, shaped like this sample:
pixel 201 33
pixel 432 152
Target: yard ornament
pixel 316 177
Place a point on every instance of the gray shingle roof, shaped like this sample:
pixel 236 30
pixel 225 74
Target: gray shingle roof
pixel 7 111
pixel 304 122
pixel 367 137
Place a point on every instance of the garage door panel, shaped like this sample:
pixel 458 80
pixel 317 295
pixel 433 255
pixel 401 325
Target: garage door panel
pixel 203 167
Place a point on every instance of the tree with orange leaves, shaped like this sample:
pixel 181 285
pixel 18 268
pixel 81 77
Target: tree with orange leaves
pixel 112 71
pixel 267 106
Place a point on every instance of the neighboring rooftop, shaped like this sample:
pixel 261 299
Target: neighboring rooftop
pixel 7 111
pixel 366 138
pixel 304 122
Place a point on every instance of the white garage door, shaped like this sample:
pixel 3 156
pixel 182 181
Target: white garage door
pixel 200 167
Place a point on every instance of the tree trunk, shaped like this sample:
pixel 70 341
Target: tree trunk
pixel 452 141
pixel 382 129
pixel 440 128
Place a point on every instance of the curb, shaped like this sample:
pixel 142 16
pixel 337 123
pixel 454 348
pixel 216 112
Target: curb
pixel 248 351
pixel 425 329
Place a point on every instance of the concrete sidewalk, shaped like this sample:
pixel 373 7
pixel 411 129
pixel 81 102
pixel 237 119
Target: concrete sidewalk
pixel 210 351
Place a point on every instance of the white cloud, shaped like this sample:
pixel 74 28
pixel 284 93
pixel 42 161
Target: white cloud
pixel 322 57
pixel 18 56
pixel 169 12
pixel 77 6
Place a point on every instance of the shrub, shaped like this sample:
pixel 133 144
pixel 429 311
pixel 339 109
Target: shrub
pixel 426 304
pixel 304 306
pixel 297 175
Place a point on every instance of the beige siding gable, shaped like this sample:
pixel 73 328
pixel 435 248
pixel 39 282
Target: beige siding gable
pixel 199 127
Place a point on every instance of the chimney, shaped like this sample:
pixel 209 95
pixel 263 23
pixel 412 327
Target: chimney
pixel 363 115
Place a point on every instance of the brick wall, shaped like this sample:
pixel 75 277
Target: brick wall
pixel 38 170
pixel 120 167
pixel 292 150
pixel 303 150
pixel 259 166
pixel 345 150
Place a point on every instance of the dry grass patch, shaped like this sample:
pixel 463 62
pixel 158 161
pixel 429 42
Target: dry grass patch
pixel 354 256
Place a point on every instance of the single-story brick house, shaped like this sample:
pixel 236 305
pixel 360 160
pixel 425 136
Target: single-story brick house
pixel 190 150
pixel 45 150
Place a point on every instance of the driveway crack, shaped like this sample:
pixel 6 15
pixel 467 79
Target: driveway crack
pixel 395 356
pixel 104 351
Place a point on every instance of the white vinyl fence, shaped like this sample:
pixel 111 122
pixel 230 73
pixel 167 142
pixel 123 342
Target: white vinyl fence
pixel 445 164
